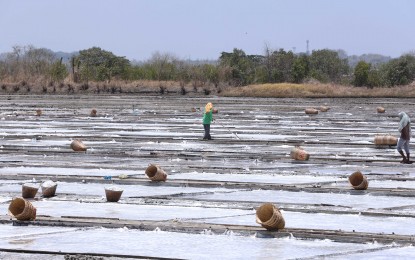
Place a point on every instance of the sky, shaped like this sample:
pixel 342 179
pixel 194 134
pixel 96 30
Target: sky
pixel 199 30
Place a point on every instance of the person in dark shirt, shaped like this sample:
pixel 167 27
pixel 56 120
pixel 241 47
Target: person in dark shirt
pixel 405 130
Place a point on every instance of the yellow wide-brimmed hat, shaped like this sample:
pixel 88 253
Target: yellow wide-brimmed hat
pixel 208 107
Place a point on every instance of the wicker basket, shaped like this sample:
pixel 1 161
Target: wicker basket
pixel 324 108
pixel 113 194
pixel 22 209
pixel 49 189
pixel 93 112
pixel 155 173
pixel 380 109
pixel 358 181
pixel 311 111
pixel 299 154
pixel 385 140
pixel 78 146
pixel 29 190
pixel 269 216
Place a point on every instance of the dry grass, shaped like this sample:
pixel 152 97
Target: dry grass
pixel 281 90
pixel 317 90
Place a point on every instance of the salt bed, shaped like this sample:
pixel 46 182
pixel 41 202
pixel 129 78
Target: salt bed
pixel 18 232
pixel 205 245
pixel 4 199
pixel 367 170
pixel 157 133
pixel 401 253
pixel 19 256
pixel 271 137
pixel 24 130
pixel 64 144
pixel 53 171
pixel 7 182
pixel 97 189
pixel 344 222
pixel 260 178
pixel 392 184
pixel 359 200
pixel 128 211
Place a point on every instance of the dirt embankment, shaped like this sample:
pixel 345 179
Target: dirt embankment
pixel 279 90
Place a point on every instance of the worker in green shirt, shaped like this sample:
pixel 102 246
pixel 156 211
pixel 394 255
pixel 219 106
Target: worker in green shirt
pixel 207 119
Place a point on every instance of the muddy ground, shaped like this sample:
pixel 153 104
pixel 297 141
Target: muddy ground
pixel 207 204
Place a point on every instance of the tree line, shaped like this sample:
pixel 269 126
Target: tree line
pixel 234 68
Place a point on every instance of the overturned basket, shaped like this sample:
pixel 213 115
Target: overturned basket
pixel 29 190
pixel 155 173
pixel 311 111
pixel 358 181
pixel 385 140
pixel 380 109
pixel 299 154
pixel 269 216
pixel 93 113
pixel 113 194
pixel 22 209
pixel 324 108
pixel 78 146
pixel 49 189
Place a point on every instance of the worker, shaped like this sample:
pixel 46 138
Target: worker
pixel 405 130
pixel 207 119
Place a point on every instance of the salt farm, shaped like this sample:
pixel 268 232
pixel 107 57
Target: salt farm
pixel 206 209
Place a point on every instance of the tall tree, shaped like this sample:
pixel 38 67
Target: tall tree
pixel 239 66
pixel 100 65
pixel 163 65
pixel 282 62
pixel 326 66
pixel 361 74
pixel 300 69
pixel 400 71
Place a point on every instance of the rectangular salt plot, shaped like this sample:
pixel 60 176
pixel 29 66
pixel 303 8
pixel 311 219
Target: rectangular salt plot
pixel 205 245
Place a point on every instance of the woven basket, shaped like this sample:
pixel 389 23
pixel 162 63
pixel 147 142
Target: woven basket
pixel 311 111
pixel 155 173
pixel 29 190
pixel 49 189
pixel 299 154
pixel 22 209
pixel 385 140
pixel 324 108
pixel 112 194
pixel 380 109
pixel 358 181
pixel 93 112
pixel 78 146
pixel 269 216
